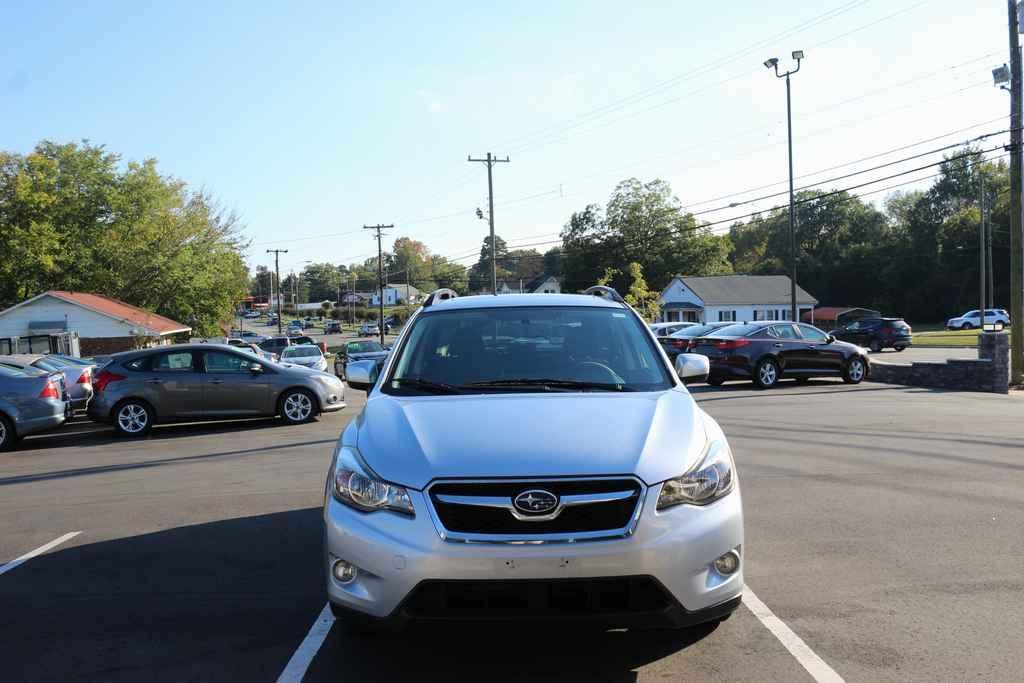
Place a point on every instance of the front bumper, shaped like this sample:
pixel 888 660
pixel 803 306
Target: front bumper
pixel 395 554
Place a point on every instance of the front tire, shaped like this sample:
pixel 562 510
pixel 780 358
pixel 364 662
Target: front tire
pixel 967 326
pixel 7 435
pixel 297 406
pixel 855 371
pixel 876 346
pixel 133 418
pixel 766 374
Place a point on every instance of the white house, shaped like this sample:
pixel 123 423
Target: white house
pixel 396 294
pixel 730 297
pixel 542 284
pixel 104 325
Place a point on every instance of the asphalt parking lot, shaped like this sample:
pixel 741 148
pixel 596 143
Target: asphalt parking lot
pixel 883 529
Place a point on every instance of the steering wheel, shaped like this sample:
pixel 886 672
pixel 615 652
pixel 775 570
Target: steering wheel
pixel 593 371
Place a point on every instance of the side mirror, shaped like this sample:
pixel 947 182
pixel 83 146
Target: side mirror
pixel 255 367
pixel 692 367
pixel 830 338
pixel 362 374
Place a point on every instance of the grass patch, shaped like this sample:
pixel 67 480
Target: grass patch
pixel 946 338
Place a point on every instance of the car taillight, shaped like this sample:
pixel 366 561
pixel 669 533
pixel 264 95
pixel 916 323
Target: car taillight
pixel 888 330
pixel 678 343
pixel 85 377
pixel 730 344
pixel 50 390
pixel 104 378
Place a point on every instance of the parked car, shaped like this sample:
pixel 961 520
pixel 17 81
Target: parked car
pixel 876 333
pixel 359 349
pixel 531 456
pixel 31 400
pixel 248 335
pixel 369 329
pixel 971 319
pixel 679 341
pixel 77 378
pixel 307 355
pixel 138 389
pixel 665 329
pixel 275 345
pixel 252 348
pixel 768 351
pixel 333 327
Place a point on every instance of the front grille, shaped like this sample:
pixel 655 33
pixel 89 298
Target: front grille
pixel 473 519
pixel 536 598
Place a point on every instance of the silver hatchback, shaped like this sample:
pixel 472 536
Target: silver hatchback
pixel 137 389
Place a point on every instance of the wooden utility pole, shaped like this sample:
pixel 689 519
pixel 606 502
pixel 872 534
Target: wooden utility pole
pixel 380 274
pixel 1016 226
pixel 490 161
pixel 277 270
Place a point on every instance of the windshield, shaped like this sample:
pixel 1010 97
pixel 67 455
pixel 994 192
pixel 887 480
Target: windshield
pixel 529 348
pixel 363 347
pixel 736 330
pixel 300 352
pixel 695 331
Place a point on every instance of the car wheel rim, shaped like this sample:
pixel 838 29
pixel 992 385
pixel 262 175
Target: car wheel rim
pixel 297 407
pixel 768 374
pixel 3 433
pixel 132 418
pixel 856 370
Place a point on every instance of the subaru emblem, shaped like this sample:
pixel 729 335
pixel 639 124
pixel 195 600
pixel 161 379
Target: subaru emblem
pixel 535 501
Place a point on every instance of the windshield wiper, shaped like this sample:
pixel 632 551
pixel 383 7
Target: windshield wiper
pixel 427 386
pixel 549 384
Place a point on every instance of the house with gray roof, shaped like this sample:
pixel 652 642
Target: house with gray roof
pixel 730 298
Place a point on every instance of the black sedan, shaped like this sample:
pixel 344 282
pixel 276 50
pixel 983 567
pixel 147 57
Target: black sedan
pixel 679 341
pixel 768 351
pixel 360 349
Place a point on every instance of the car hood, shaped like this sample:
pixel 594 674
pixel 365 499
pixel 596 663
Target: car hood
pixel 306 362
pixel 413 440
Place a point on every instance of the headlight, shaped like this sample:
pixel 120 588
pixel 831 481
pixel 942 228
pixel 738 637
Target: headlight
pixel 711 479
pixel 354 486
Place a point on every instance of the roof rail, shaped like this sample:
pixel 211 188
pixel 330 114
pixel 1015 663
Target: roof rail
pixel 442 294
pixel 604 292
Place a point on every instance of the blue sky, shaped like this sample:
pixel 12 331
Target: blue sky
pixel 311 119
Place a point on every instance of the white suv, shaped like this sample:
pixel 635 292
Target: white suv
pixel 531 457
pixel 970 319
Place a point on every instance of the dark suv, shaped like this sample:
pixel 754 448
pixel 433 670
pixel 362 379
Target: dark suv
pixel 876 333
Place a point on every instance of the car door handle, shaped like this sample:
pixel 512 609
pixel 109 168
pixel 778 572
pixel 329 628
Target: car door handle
pixel 216 381
pixel 812 346
pixel 778 345
pixel 154 381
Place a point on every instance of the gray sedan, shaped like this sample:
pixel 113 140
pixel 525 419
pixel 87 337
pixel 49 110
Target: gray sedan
pixel 137 389
pixel 77 377
pixel 30 401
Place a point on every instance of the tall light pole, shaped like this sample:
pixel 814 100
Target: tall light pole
pixel 490 161
pixel 1016 224
pixel 773 63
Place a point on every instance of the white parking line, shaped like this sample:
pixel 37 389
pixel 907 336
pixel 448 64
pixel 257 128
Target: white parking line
pixel 814 664
pixel 310 645
pixel 38 551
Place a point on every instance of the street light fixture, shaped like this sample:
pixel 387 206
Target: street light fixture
pixel 773 63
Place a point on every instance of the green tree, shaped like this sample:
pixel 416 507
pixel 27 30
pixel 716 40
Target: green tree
pixel 639 296
pixel 72 216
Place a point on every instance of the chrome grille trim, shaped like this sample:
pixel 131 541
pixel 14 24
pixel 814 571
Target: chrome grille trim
pixel 535 539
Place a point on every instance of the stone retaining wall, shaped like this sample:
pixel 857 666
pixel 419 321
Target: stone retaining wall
pixel 990 372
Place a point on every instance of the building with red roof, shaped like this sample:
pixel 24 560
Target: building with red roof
pixel 103 325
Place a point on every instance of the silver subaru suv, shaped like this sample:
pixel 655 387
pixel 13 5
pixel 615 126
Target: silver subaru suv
pixel 531 457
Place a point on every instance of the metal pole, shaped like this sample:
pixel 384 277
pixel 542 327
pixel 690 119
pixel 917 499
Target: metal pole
pixel 277 270
pixel 981 255
pixel 792 209
pixel 380 274
pixel 1016 236
pixel 490 216
pixel 490 161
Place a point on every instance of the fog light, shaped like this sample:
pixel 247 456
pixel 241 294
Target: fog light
pixel 727 564
pixel 345 572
